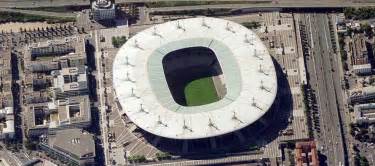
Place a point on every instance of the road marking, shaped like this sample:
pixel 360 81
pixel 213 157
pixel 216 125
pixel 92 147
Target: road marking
pixel 313 59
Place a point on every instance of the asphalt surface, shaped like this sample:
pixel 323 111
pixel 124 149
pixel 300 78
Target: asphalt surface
pixel 256 4
pixel 323 68
pixel 43 13
pixel 100 91
pixel 297 4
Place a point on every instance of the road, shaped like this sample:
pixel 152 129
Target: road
pixel 102 109
pixel 256 4
pixel 9 158
pixel 42 13
pixel 13 158
pixel 310 4
pixel 345 114
pixel 323 68
pixel 228 160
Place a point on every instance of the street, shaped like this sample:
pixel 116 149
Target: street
pixel 254 3
pixel 323 68
pixel 103 120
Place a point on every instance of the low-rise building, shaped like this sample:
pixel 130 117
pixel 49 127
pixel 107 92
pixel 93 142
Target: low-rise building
pixel 52 49
pixel 70 82
pixel 306 154
pixel 71 146
pixel 7 123
pixel 37 97
pixel 55 86
pixel 361 95
pixel 364 113
pixel 341 28
pixel 340 18
pixel 6 96
pixel 55 54
pixel 43 118
pixel 103 9
pixel 360 58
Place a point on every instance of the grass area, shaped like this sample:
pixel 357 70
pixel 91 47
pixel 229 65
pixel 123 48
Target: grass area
pixel 203 12
pixel 137 159
pixel 20 17
pixel 200 92
pixel 59 9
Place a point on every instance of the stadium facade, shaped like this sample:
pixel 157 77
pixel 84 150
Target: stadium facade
pixel 148 67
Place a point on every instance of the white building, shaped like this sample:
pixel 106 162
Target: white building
pixel 364 113
pixel 140 79
pixel 103 9
pixel 361 95
pixel 6 123
pixel 362 69
pixel 71 81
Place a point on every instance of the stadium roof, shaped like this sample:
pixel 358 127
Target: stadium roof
pixel 142 89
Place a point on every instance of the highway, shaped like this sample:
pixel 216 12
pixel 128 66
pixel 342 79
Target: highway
pixel 311 4
pixel 323 68
pixel 256 4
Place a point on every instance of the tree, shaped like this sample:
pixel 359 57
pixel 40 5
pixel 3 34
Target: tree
pixel 251 25
pixel 359 13
pixel 137 158
pixel 30 145
pixel 367 29
pixel 163 156
pixel 363 161
pixel 118 41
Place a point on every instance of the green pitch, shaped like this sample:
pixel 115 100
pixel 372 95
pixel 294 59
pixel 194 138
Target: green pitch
pixel 200 92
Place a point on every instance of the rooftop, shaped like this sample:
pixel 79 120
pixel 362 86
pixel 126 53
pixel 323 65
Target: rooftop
pixel 74 141
pixel 71 111
pixel 6 122
pixel 6 98
pixel 364 112
pixel 72 78
pixel 370 90
pixel 102 4
pixel 359 50
pixel 53 54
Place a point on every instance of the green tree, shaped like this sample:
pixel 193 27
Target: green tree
pixel 30 145
pixel 163 156
pixel 251 25
pixel 359 13
pixel 137 159
pixel 118 41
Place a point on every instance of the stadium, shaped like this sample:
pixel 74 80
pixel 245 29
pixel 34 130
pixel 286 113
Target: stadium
pixel 194 79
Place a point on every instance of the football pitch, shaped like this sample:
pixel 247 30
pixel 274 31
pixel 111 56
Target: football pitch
pixel 200 92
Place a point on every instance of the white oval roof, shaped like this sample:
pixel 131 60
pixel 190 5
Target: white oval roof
pixel 142 90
